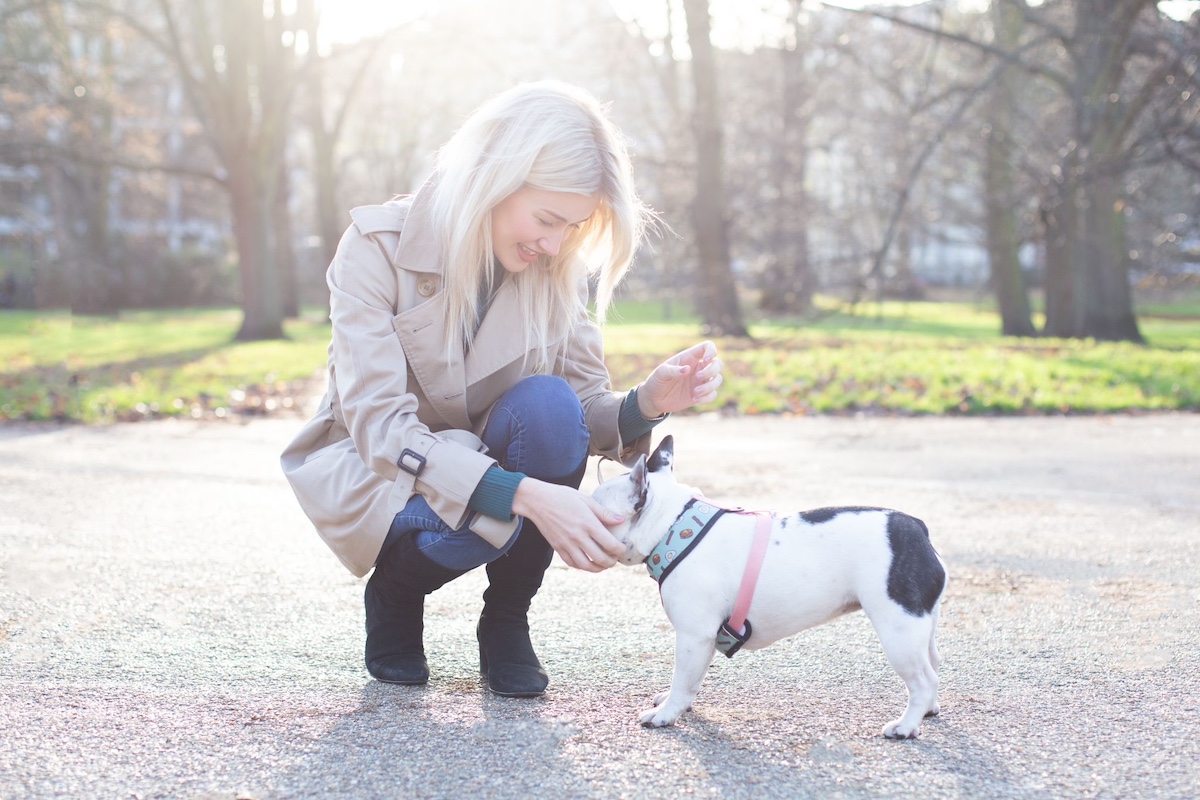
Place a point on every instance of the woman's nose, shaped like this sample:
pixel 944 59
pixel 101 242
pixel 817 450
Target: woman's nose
pixel 551 244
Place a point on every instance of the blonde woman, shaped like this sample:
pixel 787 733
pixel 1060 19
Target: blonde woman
pixel 467 385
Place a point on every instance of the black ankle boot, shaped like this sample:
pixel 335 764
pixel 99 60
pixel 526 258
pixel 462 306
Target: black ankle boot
pixel 395 606
pixel 506 657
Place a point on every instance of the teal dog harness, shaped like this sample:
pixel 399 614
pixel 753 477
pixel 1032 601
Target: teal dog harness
pixel 688 528
pixel 696 519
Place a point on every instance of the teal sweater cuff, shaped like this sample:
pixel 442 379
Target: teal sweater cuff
pixel 493 497
pixel 630 422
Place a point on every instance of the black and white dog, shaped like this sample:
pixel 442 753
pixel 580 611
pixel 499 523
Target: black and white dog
pixel 815 566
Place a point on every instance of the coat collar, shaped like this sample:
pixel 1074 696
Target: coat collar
pixel 417 248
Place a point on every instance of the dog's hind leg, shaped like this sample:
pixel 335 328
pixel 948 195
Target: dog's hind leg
pixel 693 654
pixel 909 646
pixel 935 658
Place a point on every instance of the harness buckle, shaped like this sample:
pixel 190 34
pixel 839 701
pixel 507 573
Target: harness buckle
pixel 730 641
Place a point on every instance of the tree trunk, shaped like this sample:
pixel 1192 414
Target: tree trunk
pixel 1000 196
pixel 90 130
pixel 718 300
pixel 285 255
pixel 789 283
pixel 252 163
pixel 324 140
pixel 262 307
pixel 1108 313
pixel 1089 205
pixel 1057 217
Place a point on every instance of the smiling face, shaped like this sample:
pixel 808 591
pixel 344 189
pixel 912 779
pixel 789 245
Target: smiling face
pixel 531 223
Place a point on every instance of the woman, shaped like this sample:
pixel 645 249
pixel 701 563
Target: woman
pixel 467 385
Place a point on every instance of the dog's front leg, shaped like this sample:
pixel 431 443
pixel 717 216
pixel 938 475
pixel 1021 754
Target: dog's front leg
pixel 693 654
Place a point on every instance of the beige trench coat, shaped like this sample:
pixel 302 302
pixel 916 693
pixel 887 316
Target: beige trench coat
pixel 391 394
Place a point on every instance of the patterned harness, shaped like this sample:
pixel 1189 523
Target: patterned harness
pixel 696 519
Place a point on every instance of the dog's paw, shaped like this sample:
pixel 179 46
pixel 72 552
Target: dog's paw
pixel 898 730
pixel 661 698
pixel 657 718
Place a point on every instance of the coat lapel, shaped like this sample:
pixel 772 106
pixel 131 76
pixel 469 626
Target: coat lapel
pixel 422 332
pixel 422 328
pixel 500 339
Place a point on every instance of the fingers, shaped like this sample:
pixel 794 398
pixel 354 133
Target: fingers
pixel 611 548
pixel 574 525
pixel 701 351
pixel 607 516
pixel 707 392
pixel 589 557
pixel 697 353
pixel 708 382
pixel 579 560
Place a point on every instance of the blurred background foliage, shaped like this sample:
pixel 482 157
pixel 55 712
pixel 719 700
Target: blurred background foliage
pixel 818 169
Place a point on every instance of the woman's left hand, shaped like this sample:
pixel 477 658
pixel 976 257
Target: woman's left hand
pixel 686 379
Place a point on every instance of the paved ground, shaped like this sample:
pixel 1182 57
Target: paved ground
pixel 171 627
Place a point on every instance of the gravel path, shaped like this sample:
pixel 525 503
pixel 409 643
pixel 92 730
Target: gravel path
pixel 170 626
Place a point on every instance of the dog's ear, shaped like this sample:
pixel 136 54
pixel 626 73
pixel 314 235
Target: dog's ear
pixel 664 456
pixel 641 486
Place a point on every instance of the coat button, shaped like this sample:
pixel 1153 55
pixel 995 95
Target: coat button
pixel 426 287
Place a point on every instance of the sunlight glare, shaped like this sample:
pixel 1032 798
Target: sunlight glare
pixel 352 20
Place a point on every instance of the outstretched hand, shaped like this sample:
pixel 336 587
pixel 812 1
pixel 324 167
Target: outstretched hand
pixel 686 379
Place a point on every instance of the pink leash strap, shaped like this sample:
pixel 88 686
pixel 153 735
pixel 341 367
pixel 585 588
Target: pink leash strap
pixel 758 553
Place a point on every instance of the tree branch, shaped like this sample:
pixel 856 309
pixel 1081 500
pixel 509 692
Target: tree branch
pixel 1013 57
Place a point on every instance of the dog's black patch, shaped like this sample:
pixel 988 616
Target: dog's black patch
pixel 915 578
pixel 818 515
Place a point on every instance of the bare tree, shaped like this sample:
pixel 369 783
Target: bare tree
pixel 718 300
pixel 240 73
pixel 1000 194
pixel 1087 264
pixel 1113 69
pixel 788 280
pixel 64 97
pixel 326 109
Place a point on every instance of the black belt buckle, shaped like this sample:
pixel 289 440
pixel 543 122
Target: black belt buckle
pixel 409 456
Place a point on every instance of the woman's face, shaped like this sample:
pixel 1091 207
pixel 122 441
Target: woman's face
pixel 530 223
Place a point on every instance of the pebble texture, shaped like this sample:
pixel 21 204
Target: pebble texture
pixel 171 627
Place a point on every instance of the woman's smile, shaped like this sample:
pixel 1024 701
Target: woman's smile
pixel 531 223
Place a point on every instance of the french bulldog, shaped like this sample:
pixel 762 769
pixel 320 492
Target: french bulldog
pixel 815 566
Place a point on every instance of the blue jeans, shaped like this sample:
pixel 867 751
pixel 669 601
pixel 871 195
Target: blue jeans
pixel 537 428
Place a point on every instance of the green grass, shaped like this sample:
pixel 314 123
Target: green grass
pixel 905 358
pixel 148 364
pixel 925 358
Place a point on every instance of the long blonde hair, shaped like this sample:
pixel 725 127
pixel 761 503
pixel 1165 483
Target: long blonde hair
pixel 552 136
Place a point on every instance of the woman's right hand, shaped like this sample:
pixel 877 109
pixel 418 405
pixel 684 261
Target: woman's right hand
pixel 572 522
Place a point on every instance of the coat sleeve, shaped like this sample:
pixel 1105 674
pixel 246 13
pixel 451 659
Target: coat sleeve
pixel 584 369
pixel 371 379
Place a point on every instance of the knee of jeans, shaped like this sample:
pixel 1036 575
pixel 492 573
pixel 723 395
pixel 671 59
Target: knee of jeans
pixel 559 416
pixel 551 422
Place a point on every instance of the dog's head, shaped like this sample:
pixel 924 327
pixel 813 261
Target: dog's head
pixel 646 497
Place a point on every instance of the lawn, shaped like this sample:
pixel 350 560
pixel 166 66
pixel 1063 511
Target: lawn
pixel 901 358
pixel 149 364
